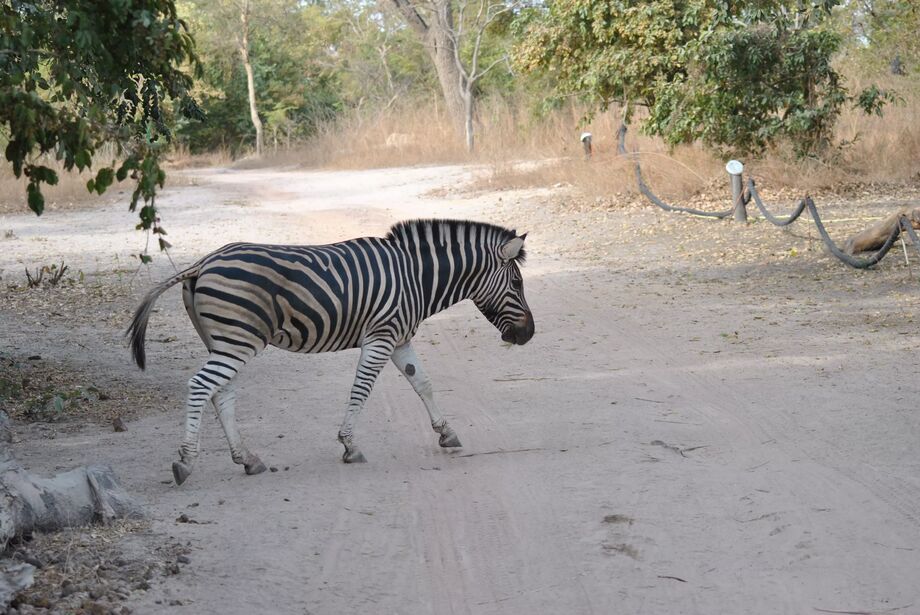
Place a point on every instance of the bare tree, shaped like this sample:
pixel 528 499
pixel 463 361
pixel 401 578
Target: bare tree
pixel 452 32
pixel 227 27
pixel 243 46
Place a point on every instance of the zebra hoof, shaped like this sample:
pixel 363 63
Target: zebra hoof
pixel 254 468
pixel 353 456
pixel 449 440
pixel 180 472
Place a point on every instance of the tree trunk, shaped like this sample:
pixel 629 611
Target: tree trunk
pixel 439 41
pixel 468 110
pixel 442 49
pixel 250 82
pixel 873 237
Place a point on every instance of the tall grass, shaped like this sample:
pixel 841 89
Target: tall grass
pixel 70 192
pixel 517 149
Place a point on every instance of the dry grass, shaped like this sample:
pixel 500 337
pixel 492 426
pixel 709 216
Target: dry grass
pixel 517 150
pixel 180 157
pixel 521 151
pixel 70 192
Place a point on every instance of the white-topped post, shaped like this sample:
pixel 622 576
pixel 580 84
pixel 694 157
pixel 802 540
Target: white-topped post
pixel 735 170
pixel 586 143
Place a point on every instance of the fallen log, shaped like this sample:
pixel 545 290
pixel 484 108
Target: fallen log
pixel 873 237
pixel 29 503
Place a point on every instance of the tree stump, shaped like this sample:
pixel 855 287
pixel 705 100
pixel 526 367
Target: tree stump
pixel 873 237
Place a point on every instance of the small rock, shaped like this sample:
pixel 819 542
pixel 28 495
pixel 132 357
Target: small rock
pixel 272 469
pixel 68 589
pixel 175 603
pixel 172 568
pixel 286 468
pixel 97 592
pixel 94 608
pixel 35 357
pixel 144 585
pixel 31 559
pixel 119 425
pixel 182 559
pixel 125 611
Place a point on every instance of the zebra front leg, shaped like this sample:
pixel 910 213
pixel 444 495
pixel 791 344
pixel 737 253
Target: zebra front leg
pixel 374 355
pixel 405 359
pixel 225 405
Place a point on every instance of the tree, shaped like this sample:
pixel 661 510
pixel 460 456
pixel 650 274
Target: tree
pixel 228 25
pixel 243 46
pixel 288 82
pixel 453 32
pixel 79 74
pixel 375 58
pixel 886 31
pixel 737 75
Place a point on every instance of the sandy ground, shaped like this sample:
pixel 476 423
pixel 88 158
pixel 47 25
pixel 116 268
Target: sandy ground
pixel 707 420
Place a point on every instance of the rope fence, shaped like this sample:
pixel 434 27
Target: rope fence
pixel 806 203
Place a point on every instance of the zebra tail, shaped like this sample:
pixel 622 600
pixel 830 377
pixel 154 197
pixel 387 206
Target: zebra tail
pixel 137 330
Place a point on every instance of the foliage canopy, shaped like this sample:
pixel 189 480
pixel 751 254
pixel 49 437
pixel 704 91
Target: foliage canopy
pixel 738 75
pixel 77 75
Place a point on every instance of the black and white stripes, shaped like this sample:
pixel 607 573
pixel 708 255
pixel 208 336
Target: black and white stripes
pixel 371 293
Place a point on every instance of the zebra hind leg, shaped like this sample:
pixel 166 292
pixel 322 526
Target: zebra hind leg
pixel 200 391
pixel 202 387
pixel 225 405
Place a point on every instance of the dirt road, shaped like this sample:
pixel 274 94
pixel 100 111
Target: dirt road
pixel 684 434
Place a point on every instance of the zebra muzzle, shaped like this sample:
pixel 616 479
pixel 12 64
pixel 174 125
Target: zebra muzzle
pixel 520 334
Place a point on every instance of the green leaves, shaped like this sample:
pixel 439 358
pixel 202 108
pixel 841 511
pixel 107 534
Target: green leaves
pixel 872 100
pixel 35 198
pixel 66 69
pixel 738 76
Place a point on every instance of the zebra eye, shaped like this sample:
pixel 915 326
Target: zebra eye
pixel 516 284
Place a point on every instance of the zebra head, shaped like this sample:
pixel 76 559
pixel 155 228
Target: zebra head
pixel 501 299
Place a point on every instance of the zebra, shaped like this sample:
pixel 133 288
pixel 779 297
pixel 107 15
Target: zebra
pixel 370 293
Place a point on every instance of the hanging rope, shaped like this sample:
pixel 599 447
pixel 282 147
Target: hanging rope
pixel 857 262
pixel 908 228
pixel 752 191
pixel 644 189
pixel 852 261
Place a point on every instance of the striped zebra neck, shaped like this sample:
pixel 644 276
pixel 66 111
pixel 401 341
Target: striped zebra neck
pixel 449 259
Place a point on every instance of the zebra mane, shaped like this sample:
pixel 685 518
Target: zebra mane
pixel 403 231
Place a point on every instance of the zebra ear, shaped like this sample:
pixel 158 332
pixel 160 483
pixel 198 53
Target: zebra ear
pixel 511 248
